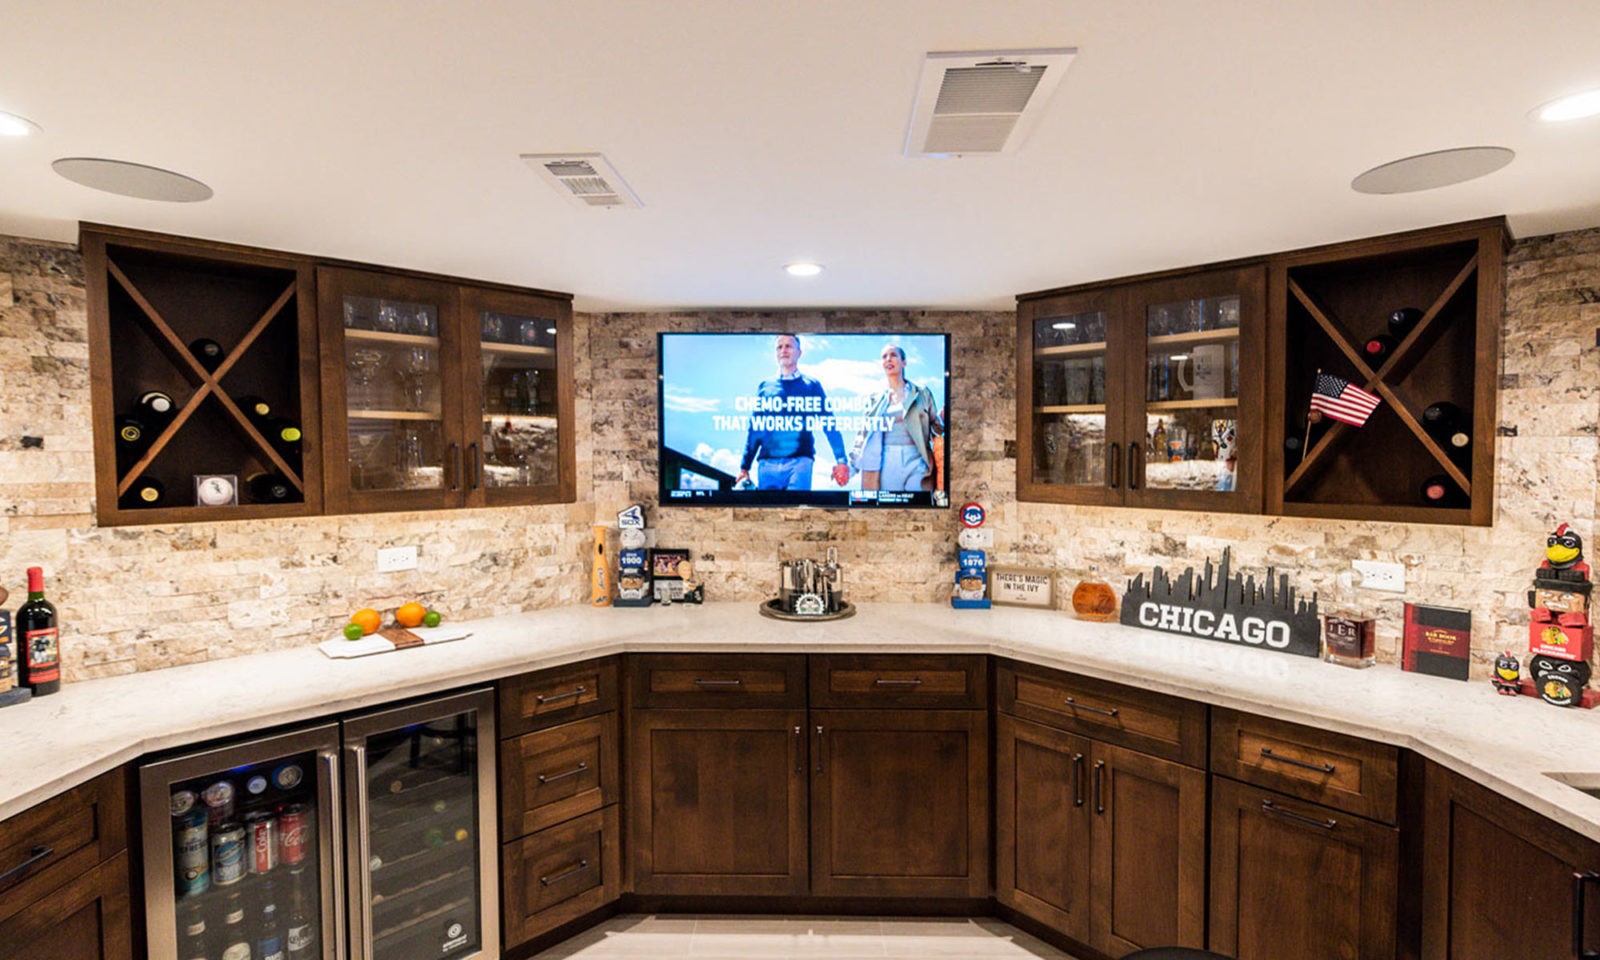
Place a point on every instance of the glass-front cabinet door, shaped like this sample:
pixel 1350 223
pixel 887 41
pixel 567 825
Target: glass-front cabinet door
pixel 518 430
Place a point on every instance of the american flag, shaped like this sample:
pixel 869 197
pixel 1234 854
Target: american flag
pixel 1343 400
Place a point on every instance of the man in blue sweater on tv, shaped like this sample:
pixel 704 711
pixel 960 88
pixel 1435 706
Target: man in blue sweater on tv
pixel 794 402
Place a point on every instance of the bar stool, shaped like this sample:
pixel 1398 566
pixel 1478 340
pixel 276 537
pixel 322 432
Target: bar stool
pixel 1174 953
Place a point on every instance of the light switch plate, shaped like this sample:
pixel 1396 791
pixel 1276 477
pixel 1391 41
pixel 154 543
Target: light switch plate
pixel 1376 575
pixel 395 559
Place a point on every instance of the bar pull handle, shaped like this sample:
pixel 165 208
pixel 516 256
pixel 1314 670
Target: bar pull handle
pixel 1114 466
pixel 880 682
pixel 455 466
pixel 819 748
pixel 1579 879
pixel 549 881
pixel 735 682
pixel 581 767
pixel 799 750
pixel 1267 806
pixel 477 466
pixel 1099 785
pixel 35 855
pixel 1267 754
pixel 1077 779
pixel 541 699
pixel 1074 704
pixel 1135 465
pixel 364 852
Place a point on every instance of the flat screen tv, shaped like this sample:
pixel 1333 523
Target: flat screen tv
pixel 804 419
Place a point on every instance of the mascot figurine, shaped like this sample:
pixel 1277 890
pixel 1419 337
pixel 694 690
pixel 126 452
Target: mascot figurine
pixel 1560 638
pixel 1507 677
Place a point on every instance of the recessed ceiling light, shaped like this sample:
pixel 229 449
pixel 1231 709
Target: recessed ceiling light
pixel 132 179
pixel 803 269
pixel 1428 171
pixel 12 125
pixel 1574 107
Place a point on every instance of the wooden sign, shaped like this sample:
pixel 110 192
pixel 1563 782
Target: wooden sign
pixel 1022 587
pixel 1226 607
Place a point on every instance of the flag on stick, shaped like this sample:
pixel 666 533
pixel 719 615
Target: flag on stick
pixel 1343 400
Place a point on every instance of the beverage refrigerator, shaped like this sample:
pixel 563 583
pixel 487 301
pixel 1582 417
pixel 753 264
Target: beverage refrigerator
pixel 370 838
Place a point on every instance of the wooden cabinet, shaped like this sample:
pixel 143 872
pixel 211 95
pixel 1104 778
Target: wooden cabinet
pixel 559 875
pixel 1344 772
pixel 1502 881
pixel 1294 879
pixel 1108 374
pixel 437 394
pixel 1042 824
pixel 89 918
pixel 898 680
pixel 900 803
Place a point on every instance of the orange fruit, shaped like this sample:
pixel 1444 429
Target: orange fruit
pixel 369 619
pixel 410 614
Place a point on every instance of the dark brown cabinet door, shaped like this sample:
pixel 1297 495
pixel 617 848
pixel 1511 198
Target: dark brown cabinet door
pixel 717 802
pixel 900 803
pixel 1149 851
pixel 86 919
pixel 1042 821
pixel 1293 879
pixel 1500 879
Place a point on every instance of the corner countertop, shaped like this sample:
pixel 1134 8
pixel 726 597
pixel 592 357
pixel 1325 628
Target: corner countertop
pixel 1505 743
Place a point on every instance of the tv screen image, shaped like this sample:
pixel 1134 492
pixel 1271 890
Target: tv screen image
pixel 806 419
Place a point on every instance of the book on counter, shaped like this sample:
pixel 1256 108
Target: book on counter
pixel 1437 640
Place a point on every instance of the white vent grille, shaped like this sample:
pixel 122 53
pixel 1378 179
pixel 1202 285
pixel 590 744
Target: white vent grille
pixel 983 102
pixel 586 179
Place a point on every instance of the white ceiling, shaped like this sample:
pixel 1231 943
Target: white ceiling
pixel 759 132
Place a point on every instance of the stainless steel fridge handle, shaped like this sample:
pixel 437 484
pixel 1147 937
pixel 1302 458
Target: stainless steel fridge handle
pixel 363 848
pixel 330 775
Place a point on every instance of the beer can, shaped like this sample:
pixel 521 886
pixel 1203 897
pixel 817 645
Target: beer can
pixel 193 853
pixel 294 833
pixel 261 839
pixel 218 799
pixel 227 854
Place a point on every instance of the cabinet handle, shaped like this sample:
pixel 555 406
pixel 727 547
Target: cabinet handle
pixel 880 682
pixel 1135 476
pixel 735 682
pixel 1267 806
pixel 799 750
pixel 562 776
pixel 455 466
pixel 819 748
pixel 35 855
pixel 1267 754
pixel 1099 795
pixel 477 466
pixel 1114 466
pixel 1578 880
pixel 1077 779
pixel 1074 704
pixel 541 699
pixel 548 881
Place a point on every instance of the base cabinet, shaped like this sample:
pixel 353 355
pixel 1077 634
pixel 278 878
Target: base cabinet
pixel 1294 879
pixel 89 918
pixel 1042 821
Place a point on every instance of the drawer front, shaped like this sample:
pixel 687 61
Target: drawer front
pixel 1153 723
pixel 537 700
pixel 556 774
pixel 890 680
pixel 61 839
pixel 716 681
pixel 560 874
pixel 88 918
pixel 1343 772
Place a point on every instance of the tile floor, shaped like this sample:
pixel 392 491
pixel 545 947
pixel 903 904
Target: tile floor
pixel 636 937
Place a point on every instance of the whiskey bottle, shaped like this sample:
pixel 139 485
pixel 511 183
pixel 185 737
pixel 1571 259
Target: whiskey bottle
pixel 1093 598
pixel 38 640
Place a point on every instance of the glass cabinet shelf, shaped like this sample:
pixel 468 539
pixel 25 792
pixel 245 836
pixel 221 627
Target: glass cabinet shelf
pixel 392 415
pixel 518 349
pixel 1070 350
pixel 383 336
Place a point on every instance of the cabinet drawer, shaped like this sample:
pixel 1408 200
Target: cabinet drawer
pixel 701 681
pixel 556 774
pixel 891 680
pixel 1153 723
pixel 88 918
pixel 1346 773
pixel 559 874
pixel 536 700
pixel 61 839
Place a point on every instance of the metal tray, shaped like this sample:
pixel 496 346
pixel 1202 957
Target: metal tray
pixel 774 608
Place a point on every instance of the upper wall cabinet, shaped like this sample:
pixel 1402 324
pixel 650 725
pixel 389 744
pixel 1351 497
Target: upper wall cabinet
pixel 1144 394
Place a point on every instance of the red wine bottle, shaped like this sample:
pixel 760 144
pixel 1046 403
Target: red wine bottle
pixel 1378 348
pixel 1440 491
pixel 1402 320
pixel 38 640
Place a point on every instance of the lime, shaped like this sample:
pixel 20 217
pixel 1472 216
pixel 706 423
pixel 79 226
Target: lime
pixel 431 618
pixel 353 631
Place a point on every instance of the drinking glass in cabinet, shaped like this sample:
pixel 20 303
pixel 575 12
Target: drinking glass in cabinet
pixel 396 455
pixel 1070 448
pixel 1220 313
pixel 1167 319
pixel 360 313
pixel 1191 448
pixel 1081 328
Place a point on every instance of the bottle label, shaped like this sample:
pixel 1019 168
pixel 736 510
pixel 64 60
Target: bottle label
pixel 237 951
pixel 44 655
pixel 300 939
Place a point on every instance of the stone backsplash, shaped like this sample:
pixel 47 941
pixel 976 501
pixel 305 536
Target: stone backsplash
pixel 137 598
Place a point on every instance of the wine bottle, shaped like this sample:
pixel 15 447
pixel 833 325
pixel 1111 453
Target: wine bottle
pixel 1440 491
pixel 269 488
pixel 1379 347
pixel 257 409
pixel 1292 445
pixel 145 492
pixel 156 408
pixel 38 640
pixel 1402 320
pixel 285 435
pixel 131 439
pixel 208 352
pixel 1448 424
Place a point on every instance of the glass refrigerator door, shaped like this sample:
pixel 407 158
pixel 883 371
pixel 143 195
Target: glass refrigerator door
pixel 239 849
pixel 422 831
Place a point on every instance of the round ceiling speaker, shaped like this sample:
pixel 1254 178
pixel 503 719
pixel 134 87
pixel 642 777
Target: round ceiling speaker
pixel 132 179
pixel 1428 171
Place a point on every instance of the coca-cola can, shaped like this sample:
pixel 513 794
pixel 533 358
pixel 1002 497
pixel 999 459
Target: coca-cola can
pixel 294 833
pixel 261 841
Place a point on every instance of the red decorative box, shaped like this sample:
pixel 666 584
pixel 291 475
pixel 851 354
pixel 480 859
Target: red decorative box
pixel 1562 638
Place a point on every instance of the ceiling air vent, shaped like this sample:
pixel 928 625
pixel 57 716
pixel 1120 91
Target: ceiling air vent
pixel 587 179
pixel 984 102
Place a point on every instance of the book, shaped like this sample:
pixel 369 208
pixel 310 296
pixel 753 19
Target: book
pixel 1437 641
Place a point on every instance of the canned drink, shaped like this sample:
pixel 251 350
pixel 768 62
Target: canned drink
pixel 227 854
pixel 193 854
pixel 261 837
pixel 218 799
pixel 183 801
pixel 294 833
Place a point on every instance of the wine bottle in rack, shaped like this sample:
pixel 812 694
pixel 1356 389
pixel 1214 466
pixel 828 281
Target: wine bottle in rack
pixel 284 434
pixel 208 352
pixel 256 408
pixel 131 440
pixel 146 492
pixel 1292 445
pixel 1440 491
pixel 1401 321
pixel 1378 348
pixel 156 409
pixel 1448 424
pixel 269 488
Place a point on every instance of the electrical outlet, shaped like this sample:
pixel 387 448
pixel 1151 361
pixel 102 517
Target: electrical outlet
pixel 1381 576
pixel 395 559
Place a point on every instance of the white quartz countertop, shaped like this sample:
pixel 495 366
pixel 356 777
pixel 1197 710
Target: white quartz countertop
pixel 1506 743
